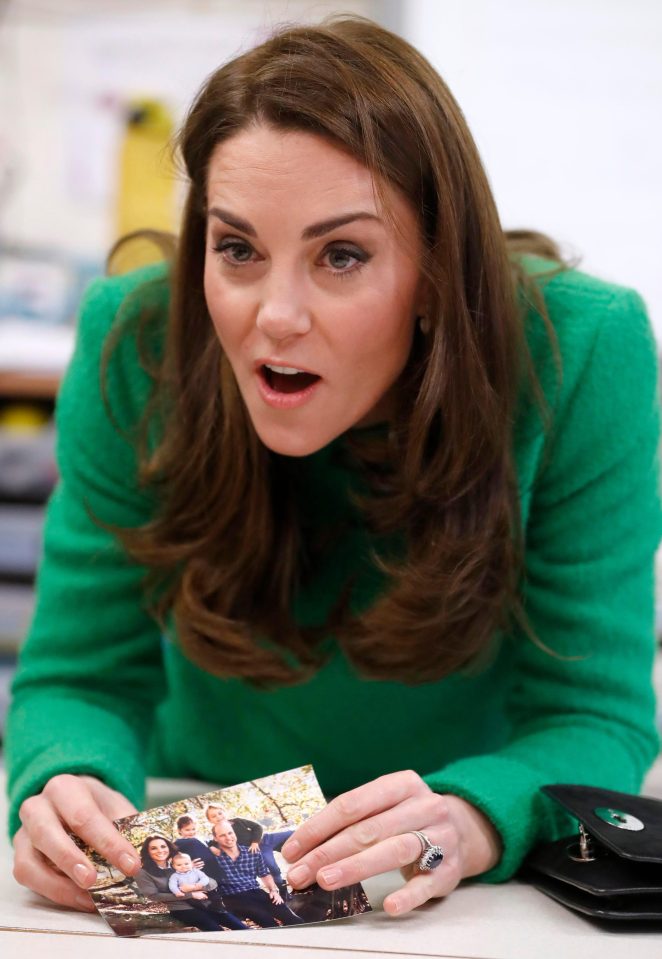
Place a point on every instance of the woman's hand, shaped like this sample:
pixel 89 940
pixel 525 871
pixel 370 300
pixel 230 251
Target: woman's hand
pixel 254 847
pixel 47 861
pixel 368 831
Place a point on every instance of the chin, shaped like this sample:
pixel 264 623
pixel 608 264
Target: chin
pixel 295 443
pixel 294 447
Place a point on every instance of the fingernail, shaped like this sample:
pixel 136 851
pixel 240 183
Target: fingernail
pixel 292 849
pixel 127 862
pixel 298 875
pixel 82 875
pixel 330 876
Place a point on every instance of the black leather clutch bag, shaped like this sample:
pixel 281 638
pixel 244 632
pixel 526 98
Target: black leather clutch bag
pixel 613 868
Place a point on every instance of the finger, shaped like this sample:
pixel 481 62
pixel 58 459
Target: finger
pixel 71 801
pixel 408 815
pixel 46 835
pixel 80 811
pixel 111 802
pixel 32 871
pixel 396 852
pixel 422 887
pixel 357 804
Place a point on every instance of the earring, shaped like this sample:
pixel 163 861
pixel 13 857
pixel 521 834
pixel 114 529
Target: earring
pixel 424 324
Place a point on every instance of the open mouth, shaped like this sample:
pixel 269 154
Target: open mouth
pixel 287 379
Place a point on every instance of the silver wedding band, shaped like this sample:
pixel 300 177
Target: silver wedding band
pixel 431 855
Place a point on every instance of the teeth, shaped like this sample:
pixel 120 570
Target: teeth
pixel 283 369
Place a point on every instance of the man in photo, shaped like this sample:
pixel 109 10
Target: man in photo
pixel 252 835
pixel 239 886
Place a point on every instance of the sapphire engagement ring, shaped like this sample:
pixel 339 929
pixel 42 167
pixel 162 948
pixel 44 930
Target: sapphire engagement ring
pixel 431 855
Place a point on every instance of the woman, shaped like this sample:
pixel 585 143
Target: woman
pixel 383 533
pixel 153 878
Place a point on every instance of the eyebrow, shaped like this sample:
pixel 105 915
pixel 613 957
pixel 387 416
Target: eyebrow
pixel 312 232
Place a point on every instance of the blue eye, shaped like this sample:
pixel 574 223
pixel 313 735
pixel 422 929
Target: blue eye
pixel 345 259
pixel 234 251
pixel 339 259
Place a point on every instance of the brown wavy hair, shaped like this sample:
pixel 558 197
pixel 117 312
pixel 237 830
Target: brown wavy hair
pixel 227 551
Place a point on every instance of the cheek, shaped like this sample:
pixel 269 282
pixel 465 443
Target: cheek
pixel 380 337
pixel 231 311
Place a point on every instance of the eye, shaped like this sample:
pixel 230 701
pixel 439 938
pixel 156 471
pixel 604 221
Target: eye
pixel 234 251
pixel 344 258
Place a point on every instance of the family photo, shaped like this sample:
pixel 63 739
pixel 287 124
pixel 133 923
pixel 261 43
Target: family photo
pixel 212 863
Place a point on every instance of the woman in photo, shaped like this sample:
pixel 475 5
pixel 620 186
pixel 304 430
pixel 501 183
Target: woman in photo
pixel 354 478
pixel 153 880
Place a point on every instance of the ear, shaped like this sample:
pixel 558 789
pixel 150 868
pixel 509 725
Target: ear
pixel 423 299
pixel 424 324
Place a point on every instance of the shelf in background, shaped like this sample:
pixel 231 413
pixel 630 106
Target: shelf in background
pixel 16 608
pixel 7 669
pixel 21 529
pixel 29 385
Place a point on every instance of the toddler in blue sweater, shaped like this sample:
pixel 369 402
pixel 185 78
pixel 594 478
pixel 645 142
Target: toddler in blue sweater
pixel 186 875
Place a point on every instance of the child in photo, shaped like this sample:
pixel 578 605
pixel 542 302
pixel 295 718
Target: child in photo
pixel 188 842
pixel 248 832
pixel 186 875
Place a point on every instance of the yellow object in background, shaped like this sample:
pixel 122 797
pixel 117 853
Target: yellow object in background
pixel 147 187
pixel 22 418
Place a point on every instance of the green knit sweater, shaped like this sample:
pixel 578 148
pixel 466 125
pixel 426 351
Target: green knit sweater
pixel 100 691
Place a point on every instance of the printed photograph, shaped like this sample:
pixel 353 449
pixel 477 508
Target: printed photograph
pixel 213 863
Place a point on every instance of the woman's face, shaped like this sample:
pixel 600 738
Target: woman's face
pixel 159 851
pixel 312 292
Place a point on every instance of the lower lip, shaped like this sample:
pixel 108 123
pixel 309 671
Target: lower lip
pixel 285 401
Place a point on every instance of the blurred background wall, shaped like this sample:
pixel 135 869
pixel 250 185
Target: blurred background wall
pixel 563 97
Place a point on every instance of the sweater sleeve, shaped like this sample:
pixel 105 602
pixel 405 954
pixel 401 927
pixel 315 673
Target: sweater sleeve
pixel 581 703
pixel 251 831
pixel 155 889
pixel 261 868
pixel 90 671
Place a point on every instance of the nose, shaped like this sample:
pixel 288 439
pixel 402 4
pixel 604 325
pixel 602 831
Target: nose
pixel 282 312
